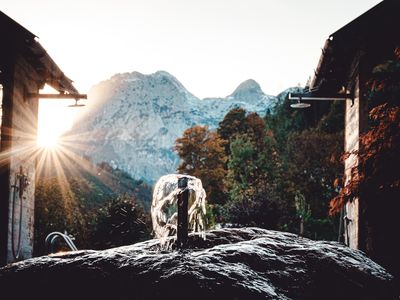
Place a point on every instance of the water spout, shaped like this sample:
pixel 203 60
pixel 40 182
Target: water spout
pixel 179 206
pixel 183 202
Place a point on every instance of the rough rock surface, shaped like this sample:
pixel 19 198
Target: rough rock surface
pixel 247 263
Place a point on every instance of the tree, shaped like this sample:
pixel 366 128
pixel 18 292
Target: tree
pixel 314 164
pixel 120 221
pixel 313 159
pixel 202 154
pixel 254 170
pixel 233 123
pixel 309 143
pixel 249 194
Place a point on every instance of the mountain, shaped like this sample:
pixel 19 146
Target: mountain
pixel 133 120
pixel 249 91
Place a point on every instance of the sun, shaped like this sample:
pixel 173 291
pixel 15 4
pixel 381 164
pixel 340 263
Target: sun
pixel 55 119
pixel 51 124
pixel 48 140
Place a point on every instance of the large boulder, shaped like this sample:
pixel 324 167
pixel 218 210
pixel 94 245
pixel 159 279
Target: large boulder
pixel 246 263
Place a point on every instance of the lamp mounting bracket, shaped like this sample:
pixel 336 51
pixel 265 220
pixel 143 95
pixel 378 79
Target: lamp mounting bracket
pixel 321 97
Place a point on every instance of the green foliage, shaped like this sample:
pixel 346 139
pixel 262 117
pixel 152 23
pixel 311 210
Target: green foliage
pixel 241 165
pixel 258 206
pixel 254 173
pixel 313 165
pixel 120 221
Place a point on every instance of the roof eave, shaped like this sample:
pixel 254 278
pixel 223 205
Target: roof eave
pixel 54 77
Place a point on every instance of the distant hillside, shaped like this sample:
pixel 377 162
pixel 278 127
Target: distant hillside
pixel 95 184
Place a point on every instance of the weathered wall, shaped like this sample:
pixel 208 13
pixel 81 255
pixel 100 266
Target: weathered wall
pixel 22 160
pixel 356 119
pixel 351 143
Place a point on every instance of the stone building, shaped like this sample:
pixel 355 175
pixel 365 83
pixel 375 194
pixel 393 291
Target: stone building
pixel 25 67
pixel 346 63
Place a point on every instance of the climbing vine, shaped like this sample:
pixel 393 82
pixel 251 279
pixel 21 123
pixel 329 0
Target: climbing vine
pixel 377 176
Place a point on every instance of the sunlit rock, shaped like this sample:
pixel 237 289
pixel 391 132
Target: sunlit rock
pixel 247 263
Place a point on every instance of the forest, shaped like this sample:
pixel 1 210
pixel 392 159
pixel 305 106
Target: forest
pixel 275 171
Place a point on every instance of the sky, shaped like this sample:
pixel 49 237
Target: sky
pixel 211 46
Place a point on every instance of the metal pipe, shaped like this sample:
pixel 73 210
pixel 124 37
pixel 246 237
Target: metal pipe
pixel 51 238
pixel 67 240
pixel 339 239
pixel 16 252
pixel 183 199
pixel 347 222
pixel 317 98
pixel 51 243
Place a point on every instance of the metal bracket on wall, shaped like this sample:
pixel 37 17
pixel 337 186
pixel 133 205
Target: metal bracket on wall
pixel 321 97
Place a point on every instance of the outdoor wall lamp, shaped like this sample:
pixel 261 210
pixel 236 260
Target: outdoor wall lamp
pixel 76 104
pixel 312 97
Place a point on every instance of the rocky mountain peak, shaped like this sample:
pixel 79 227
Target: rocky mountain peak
pixel 127 76
pixel 248 91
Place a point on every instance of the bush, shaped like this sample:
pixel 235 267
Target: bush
pixel 121 221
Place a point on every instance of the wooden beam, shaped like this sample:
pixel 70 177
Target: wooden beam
pixel 57 96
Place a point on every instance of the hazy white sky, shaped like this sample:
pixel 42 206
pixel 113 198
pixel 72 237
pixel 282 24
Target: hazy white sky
pixel 209 45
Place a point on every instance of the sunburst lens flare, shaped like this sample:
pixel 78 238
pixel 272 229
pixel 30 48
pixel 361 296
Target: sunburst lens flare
pixel 48 141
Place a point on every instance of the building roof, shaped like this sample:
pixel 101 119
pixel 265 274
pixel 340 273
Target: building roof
pixel 15 39
pixel 373 35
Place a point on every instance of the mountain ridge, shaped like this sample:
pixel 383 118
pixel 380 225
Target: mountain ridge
pixel 133 119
